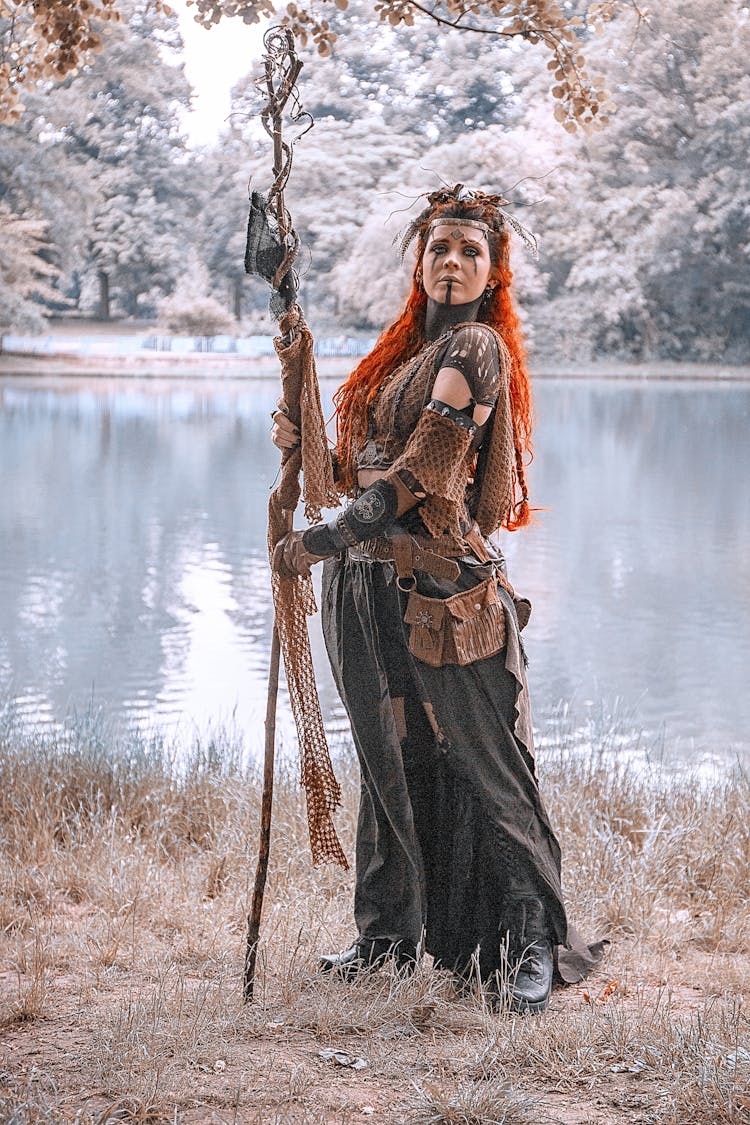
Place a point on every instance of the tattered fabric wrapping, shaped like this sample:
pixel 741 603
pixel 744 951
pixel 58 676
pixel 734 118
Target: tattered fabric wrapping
pixel 294 599
pixel 490 507
pixel 438 456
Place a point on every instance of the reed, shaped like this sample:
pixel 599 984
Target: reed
pixel 125 873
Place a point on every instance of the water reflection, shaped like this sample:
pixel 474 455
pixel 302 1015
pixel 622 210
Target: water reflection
pixel 133 568
pixel 640 566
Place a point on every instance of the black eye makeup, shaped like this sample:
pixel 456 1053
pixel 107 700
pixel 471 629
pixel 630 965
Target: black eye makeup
pixel 470 249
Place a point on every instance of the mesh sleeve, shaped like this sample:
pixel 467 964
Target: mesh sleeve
pixel 472 350
pixel 437 458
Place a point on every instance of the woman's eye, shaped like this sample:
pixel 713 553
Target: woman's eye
pixel 472 251
pixel 438 249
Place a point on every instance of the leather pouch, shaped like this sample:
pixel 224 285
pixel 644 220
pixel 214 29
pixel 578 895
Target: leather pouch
pixel 458 630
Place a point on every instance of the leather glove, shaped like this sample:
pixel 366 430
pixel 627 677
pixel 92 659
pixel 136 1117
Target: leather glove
pixel 290 558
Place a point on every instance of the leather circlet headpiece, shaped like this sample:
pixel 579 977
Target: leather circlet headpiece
pixel 458 223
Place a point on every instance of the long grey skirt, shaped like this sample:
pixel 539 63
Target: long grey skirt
pixel 450 817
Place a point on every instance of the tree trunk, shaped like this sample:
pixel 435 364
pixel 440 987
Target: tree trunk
pixel 237 298
pixel 103 295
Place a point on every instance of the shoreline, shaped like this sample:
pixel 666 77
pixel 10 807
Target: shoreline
pixel 244 368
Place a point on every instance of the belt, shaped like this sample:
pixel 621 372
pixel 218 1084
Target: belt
pixel 409 553
pixel 436 557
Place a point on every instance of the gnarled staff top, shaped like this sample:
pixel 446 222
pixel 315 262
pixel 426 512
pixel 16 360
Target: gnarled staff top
pixel 278 85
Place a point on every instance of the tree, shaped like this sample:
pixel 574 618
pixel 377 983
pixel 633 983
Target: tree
pixel 101 160
pixel 221 178
pixel 414 83
pixel 117 123
pixel 191 310
pixel 24 273
pixel 387 126
pixel 647 240
pixel 36 180
pixel 44 39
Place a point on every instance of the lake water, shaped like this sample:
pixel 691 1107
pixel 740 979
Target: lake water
pixel 133 573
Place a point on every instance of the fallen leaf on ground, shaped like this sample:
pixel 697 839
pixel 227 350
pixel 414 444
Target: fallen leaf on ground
pixel 342 1058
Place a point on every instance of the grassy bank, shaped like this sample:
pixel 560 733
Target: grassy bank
pixel 124 884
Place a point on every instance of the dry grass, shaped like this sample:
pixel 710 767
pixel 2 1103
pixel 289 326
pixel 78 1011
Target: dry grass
pixel 124 881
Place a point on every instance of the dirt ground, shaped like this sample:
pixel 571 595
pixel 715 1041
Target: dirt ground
pixel 124 889
pixel 428 1056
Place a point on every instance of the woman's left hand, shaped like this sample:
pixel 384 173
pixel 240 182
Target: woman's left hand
pixel 284 434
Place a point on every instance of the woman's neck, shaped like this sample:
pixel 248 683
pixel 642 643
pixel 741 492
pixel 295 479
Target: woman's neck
pixel 439 317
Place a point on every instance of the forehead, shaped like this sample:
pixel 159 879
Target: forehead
pixel 454 229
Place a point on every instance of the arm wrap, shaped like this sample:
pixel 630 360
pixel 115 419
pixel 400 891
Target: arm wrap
pixel 438 456
pixel 366 518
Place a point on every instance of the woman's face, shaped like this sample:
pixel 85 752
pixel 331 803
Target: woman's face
pixel 456 263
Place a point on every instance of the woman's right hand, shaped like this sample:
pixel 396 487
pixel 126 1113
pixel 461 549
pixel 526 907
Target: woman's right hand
pixel 284 434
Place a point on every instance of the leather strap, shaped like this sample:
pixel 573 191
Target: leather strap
pixel 409 555
pixel 403 556
pixel 479 547
pixel 382 547
pixel 477 544
pixel 436 565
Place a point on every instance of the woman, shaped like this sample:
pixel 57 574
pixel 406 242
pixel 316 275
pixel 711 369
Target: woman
pixel 455 853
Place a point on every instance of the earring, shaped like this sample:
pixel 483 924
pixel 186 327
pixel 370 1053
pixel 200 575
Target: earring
pixel 418 277
pixel 488 291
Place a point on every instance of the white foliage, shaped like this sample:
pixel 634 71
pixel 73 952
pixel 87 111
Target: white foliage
pixel 23 273
pixel 369 281
pixel 644 226
pixel 190 310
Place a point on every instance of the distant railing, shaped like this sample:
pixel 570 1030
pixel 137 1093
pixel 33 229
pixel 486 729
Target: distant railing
pixel 340 345
pixel 247 346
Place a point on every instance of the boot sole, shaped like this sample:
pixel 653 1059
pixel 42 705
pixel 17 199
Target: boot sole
pixel 351 971
pixel 527 1008
pixel 363 968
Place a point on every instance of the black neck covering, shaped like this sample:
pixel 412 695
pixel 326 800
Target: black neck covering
pixel 440 317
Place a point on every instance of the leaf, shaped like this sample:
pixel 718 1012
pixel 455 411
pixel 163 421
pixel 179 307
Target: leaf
pixel 354 1062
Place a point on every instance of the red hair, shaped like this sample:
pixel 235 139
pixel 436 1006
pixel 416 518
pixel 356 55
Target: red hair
pixel 406 336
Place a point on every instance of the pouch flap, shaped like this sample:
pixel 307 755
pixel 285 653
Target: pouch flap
pixel 469 603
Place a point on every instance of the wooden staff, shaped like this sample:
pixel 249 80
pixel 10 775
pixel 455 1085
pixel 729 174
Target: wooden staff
pixel 266 809
pixel 282 69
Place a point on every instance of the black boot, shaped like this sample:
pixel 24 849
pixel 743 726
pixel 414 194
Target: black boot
pixel 367 955
pixel 529 982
